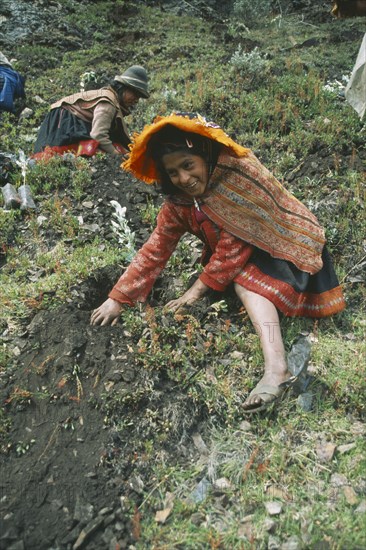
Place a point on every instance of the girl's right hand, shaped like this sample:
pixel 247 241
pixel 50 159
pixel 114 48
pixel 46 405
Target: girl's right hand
pixel 197 290
pixel 106 314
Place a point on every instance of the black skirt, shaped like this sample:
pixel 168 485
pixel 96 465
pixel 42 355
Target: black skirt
pixel 294 292
pixel 60 127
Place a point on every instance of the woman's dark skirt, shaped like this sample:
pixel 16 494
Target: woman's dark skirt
pixel 60 127
pixel 62 132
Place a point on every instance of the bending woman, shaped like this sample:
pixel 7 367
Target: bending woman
pixel 92 121
pixel 256 235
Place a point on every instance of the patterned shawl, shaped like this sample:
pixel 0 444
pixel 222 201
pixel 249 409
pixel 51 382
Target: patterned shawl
pixel 249 202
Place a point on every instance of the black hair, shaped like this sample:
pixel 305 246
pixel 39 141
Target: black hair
pixel 118 87
pixel 171 140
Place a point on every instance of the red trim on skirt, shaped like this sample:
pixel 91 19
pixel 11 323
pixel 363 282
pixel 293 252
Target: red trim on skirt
pixel 290 302
pixel 87 148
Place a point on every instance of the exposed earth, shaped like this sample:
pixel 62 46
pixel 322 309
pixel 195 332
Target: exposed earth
pixel 84 400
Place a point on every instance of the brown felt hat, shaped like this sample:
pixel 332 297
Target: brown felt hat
pixel 135 77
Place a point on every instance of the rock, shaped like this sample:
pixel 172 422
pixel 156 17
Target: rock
pixel 136 483
pixel 350 495
pixel 269 525
pixel 122 545
pixel 108 536
pixel 56 504
pixel 200 444
pixel 358 428
pixel 222 484
pixel 19 545
pixel 246 529
pixel 245 426
pixel 123 500
pixel 109 519
pixel 26 113
pixel 92 227
pixel 39 100
pixel 200 492
pixel 298 360
pixel 237 355
pixel 83 512
pixel 305 401
pixel 342 449
pixel 276 493
pixel 293 543
pixel 273 543
pixel 113 544
pixel 273 508
pixel 105 511
pixel 87 532
pixel 72 535
pixel 325 451
pixel 338 480
pixel 361 508
pixel 197 518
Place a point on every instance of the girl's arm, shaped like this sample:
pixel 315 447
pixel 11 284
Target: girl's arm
pixel 103 116
pixel 228 259
pixel 137 281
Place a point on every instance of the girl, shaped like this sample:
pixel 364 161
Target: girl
pixel 256 235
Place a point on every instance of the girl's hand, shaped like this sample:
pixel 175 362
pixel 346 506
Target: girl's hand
pixel 197 290
pixel 106 314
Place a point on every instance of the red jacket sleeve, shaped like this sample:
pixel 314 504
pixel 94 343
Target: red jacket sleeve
pixel 230 255
pixel 138 279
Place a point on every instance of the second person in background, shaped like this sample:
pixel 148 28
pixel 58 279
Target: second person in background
pixel 87 122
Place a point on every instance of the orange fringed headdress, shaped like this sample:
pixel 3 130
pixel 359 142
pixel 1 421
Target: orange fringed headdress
pixel 140 162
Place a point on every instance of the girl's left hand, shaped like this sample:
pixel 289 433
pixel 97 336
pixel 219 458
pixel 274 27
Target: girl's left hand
pixel 197 290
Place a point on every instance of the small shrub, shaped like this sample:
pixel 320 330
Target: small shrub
pixel 252 12
pixel 252 63
pixel 125 237
pixel 8 228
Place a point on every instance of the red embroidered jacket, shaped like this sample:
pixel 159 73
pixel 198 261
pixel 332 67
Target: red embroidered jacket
pixel 229 254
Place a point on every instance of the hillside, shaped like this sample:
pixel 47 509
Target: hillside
pixel 133 436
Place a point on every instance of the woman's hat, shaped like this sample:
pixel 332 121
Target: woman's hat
pixel 135 77
pixel 140 162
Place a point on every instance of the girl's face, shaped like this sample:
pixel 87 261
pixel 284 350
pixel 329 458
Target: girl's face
pixel 187 172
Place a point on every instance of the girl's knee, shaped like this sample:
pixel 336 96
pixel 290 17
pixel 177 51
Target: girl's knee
pixel 238 288
pixel 241 292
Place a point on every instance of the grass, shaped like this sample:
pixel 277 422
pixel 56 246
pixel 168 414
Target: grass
pixel 286 117
pixel 62 268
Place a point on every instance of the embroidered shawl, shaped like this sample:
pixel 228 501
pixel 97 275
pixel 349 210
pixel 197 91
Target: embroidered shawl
pixel 249 202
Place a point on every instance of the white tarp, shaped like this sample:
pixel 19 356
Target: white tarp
pixel 356 87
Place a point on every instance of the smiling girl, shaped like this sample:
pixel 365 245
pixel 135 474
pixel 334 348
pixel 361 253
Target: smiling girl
pixel 256 235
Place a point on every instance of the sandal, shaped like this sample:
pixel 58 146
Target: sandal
pixel 269 394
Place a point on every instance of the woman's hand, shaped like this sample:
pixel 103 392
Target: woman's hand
pixel 197 290
pixel 106 314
